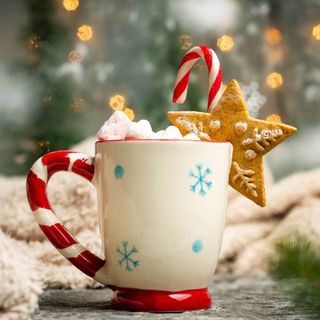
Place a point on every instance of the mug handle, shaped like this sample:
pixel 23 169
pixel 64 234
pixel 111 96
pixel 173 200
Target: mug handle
pixel 53 229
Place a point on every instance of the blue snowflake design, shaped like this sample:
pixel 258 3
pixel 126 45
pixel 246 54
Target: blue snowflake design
pixel 126 256
pixel 201 183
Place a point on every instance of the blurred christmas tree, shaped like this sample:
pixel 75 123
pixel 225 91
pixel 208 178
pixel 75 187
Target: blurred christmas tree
pixel 137 56
pixel 133 51
pixel 48 43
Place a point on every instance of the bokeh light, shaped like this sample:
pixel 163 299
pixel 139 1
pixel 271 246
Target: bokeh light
pixel 316 32
pixel 129 113
pixel 117 102
pixel 33 42
pixel 274 80
pixel 78 105
pixel 70 5
pixel 185 42
pixel 198 66
pixel 273 35
pixel 85 32
pixel 47 98
pixel 75 56
pixel 44 146
pixel 225 43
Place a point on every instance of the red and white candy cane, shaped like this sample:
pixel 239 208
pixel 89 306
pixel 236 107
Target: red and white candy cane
pixel 54 230
pixel 215 75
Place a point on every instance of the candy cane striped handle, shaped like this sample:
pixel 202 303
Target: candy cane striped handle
pixel 54 230
pixel 214 70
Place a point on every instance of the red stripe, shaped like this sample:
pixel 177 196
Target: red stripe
pixel 215 87
pixel 180 87
pixel 36 192
pixel 83 168
pixel 189 56
pixel 87 263
pixel 207 53
pixel 58 235
pixel 56 161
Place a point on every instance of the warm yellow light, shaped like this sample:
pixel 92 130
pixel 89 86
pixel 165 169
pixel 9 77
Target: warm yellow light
pixel 129 112
pixel 274 80
pixel 85 32
pixel 70 5
pixel 75 56
pixel 225 43
pixel 78 105
pixel 34 42
pixel 117 102
pixel 273 35
pixel 316 32
pixel 185 42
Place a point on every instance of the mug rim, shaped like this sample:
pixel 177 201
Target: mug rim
pixel 131 140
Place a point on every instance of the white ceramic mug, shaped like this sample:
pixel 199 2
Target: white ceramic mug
pixel 162 207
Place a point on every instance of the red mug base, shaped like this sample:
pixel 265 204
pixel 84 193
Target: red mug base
pixel 160 301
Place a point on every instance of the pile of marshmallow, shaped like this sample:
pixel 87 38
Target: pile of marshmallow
pixel 120 127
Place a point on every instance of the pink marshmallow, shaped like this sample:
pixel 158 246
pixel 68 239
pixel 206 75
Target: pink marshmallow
pixel 115 128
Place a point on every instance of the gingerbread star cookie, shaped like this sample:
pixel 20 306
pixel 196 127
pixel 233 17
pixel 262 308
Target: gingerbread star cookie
pixel 251 138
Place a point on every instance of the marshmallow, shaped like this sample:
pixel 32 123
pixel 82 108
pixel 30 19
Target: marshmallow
pixel 171 132
pixel 158 134
pixel 115 128
pixel 191 136
pixel 119 127
pixel 140 130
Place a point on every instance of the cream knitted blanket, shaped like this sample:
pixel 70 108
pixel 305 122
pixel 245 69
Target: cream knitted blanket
pixel 29 263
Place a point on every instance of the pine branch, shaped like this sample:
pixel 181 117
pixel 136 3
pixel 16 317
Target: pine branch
pixel 297 269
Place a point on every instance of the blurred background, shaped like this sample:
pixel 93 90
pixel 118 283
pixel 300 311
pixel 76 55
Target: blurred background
pixel 65 64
